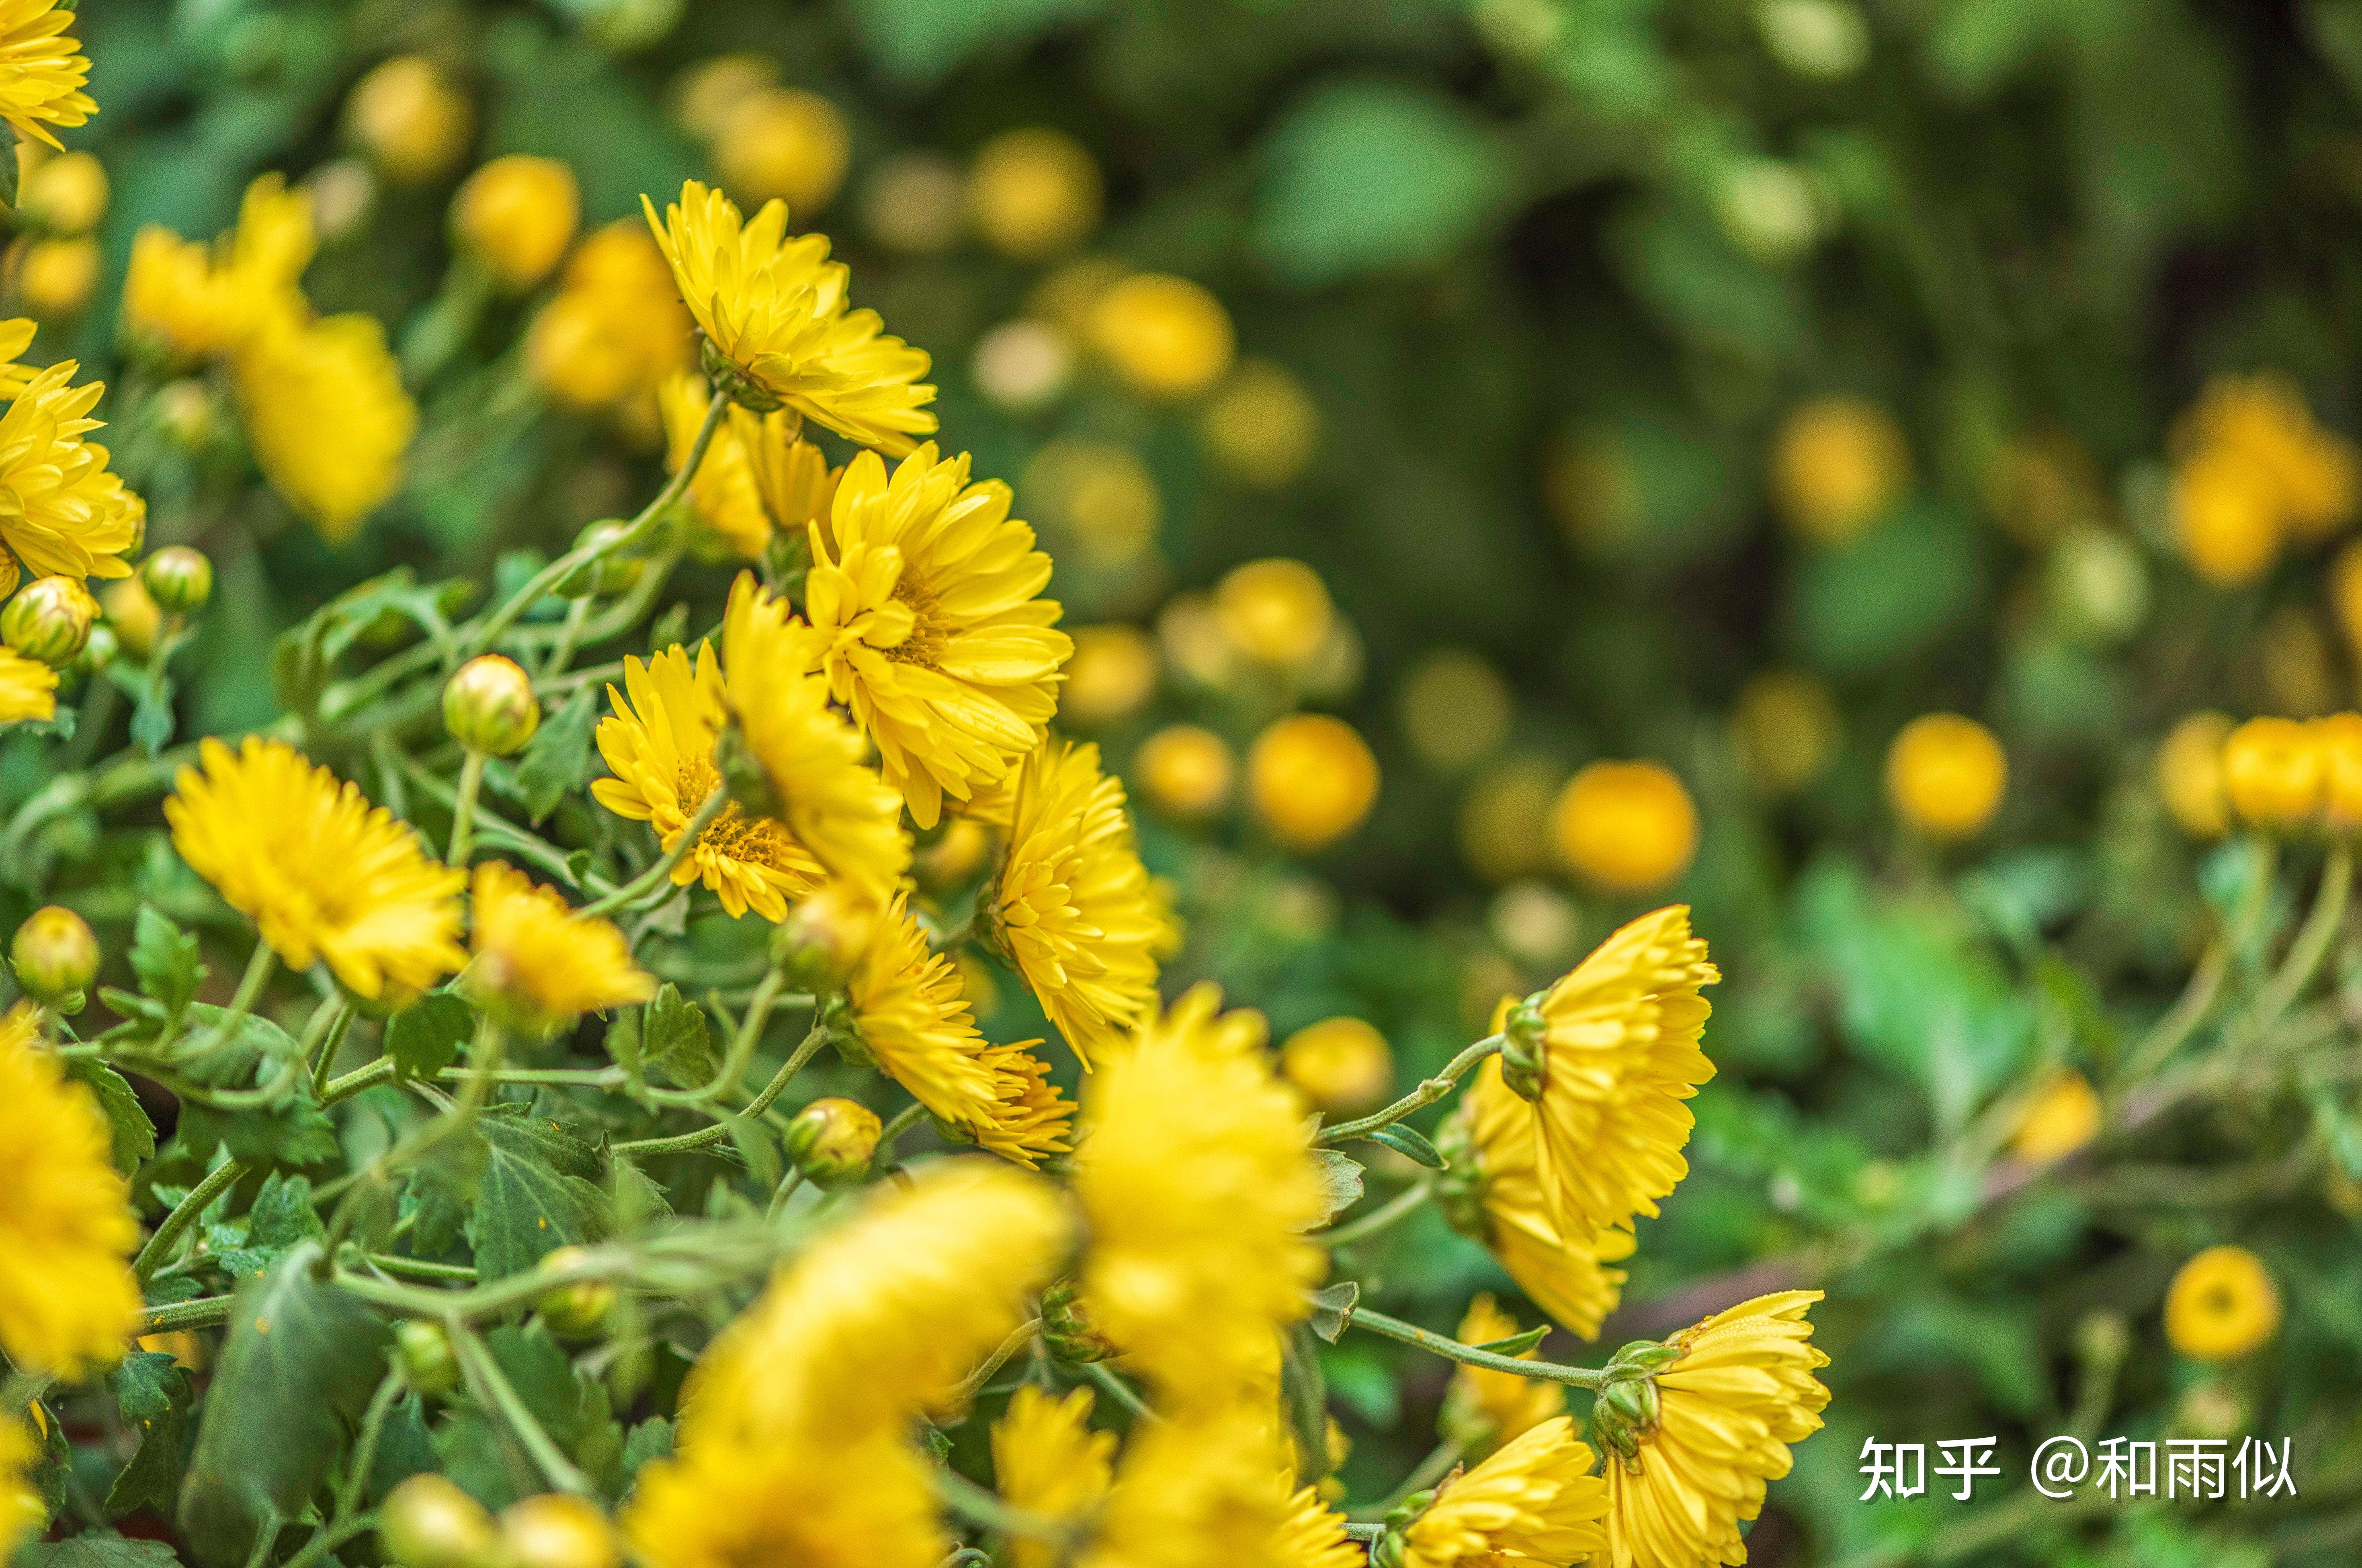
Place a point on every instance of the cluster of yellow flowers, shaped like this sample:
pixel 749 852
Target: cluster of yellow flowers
pixel 2253 474
pixel 2278 775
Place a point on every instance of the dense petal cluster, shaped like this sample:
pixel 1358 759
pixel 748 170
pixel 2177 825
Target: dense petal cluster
pixel 28 689
pixel 41 70
pixel 191 300
pixel 542 961
pixel 1535 1499
pixel 325 411
pixel 62 512
pixel 1048 1462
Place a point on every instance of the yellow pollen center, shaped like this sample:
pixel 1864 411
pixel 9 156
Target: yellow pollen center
pixel 732 835
pixel 929 630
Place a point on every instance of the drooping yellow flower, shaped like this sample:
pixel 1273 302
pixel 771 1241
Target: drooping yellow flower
pixel 1029 1118
pixel 1201 1486
pixel 857 1501
pixel 1741 1390
pixel 41 70
pixel 912 1017
pixel 844 815
pixel 1313 1535
pixel 547 963
pixel 1534 1500
pixel 326 416
pixel 659 744
pixel 1620 1056
pixel 773 312
pixel 1486 1409
pixel 28 689
pixel 61 511
pixel 792 475
pixel 731 525
pixel 197 300
pixel 1049 1462
pixel 323 874
pixel 22 1512
pixel 1196 1177
pixel 68 1303
pixel 1075 907
pixel 2221 1305
pixel 926 595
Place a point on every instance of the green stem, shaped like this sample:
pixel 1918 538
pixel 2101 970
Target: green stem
pixel 1122 1392
pixel 1399 1206
pixel 463 815
pixel 749 1033
pixel 659 874
pixel 258 964
pixel 570 637
pixel 491 1384
pixel 340 1020
pixel 974 1504
pixel 1429 1092
pixel 218 1180
pixel 1469 1356
pixel 205 1313
pixel 419 1268
pixel 708 1137
pixel 2305 954
pixel 1019 1338
pixel 364 1454
pixel 788 1184
pixel 901 1121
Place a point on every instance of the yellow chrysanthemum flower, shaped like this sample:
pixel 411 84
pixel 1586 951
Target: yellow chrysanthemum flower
pixel 1619 1055
pixel 1534 1500
pixel 68 1303
pixel 2221 1305
pixel 28 689
pixel 773 312
pixel 41 70
pixel 1049 1462
pixel 1075 908
pixel 924 592
pixel 1312 1535
pixel 15 337
pixel 1201 1486
pixel 326 416
pixel 22 1512
pixel 792 475
pixel 660 745
pixel 914 1019
pixel 862 1501
pixel 1196 1178
pixel 1494 1193
pixel 1029 1119
pixel 1741 1390
pixel 726 508
pixel 1486 1409
pixel 324 875
pixel 840 810
pixel 61 511
pixel 199 300
pixel 539 960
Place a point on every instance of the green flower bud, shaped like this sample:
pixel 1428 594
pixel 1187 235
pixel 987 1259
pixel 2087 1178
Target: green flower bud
pixel 428 1523
pixel 490 706
pixel 578 1309
pixel 1391 1548
pixel 178 578
pixel 1522 1058
pixel 614 572
pixel 56 958
pixel 1460 1190
pixel 823 938
pixel 1067 1329
pixel 185 411
pixel 103 649
pixel 50 620
pixel 833 1139
pixel 422 1351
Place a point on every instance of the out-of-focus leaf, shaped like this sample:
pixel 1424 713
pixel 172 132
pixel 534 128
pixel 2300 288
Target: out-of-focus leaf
pixel 428 1035
pixel 559 758
pixel 918 41
pixel 132 1135
pixel 538 1191
pixel 1340 1182
pixel 152 1393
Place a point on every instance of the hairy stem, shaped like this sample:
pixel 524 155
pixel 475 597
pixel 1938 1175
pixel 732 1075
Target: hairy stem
pixel 659 875
pixel 1429 1092
pixel 218 1180
pixel 1469 1356
pixel 463 813
pixel 492 1385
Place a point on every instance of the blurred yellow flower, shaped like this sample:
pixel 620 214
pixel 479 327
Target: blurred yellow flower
pixel 1311 779
pixel 1049 1462
pixel 1113 672
pixel 792 475
pixel 617 328
pixel 1534 1500
pixel 851 1500
pixel 1946 775
pixel 196 301
pixel 409 118
pixel 706 92
pixel 1097 494
pixel 28 689
pixel 540 961
pixel 41 70
pixel 325 876
pixel 773 312
pixel 1341 1066
pixel 2062 1117
pixel 2190 775
pixel 1074 907
pixel 1205 1485
pixel 924 598
pixel 23 1515
pixel 777 142
pixel 2272 773
pixel 1788 728
pixel 2312 473
pixel 1739 1392
pixel 660 744
pixel 2226 516
pixel 55 278
pixel 2221 1305
pixel 1033 193
pixel 1167 337
pixel 517 215
pixel 1482 1410
pixel 2338 739
pixel 1627 826
pixel 1839 464
pixel 66 194
pixel 68 1302
pixel 1275 612
pixel 725 504
pixel 326 414
pixel 1263 426
pixel 68 515
pixel 1186 771
pixel 2346 593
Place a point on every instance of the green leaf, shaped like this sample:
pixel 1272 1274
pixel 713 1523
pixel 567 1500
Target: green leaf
pixel 152 1392
pixel 481 1461
pixel 97 1551
pixel 281 1219
pixel 295 1133
pixel 299 1366
pixel 1892 593
pixel 1370 176
pixel 1404 1141
pixel 623 1042
pixel 1340 1182
pixel 674 1040
pixel 152 721
pixel 167 959
pixel 428 1036
pixel 918 41
pixel 538 1191
pixel 1516 1344
pixel 557 760
pixel 652 1439
pixel 403 1449
pixel 1332 1310
pixel 133 1136
pixel 545 1379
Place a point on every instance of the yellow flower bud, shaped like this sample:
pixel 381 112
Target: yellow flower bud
pixel 1275 612
pixel 1946 775
pixel 1165 335
pixel 1113 671
pixel 2221 1305
pixel 1787 727
pixel 1455 710
pixel 428 1522
pixel 824 936
pixel 834 1140
pixel 1191 638
pixel 2062 1117
pixel 66 194
pixel 777 142
pixel 1033 193
pixel 1186 771
pixel 490 706
pixel 1627 826
pixel 572 354
pixel 2338 738
pixel 55 278
pixel 186 412
pixel 578 1309
pixel 517 215
pixel 1263 426
pixel 178 578
pixel 423 1352
pixel 2272 773
pixel 2226 516
pixel 50 620
pixel 708 91
pixel 134 615
pixel 409 118
pixel 1311 779
pixel 1341 1066
pixel 2190 775
pixel 1839 464
pixel 55 956
pixel 556 1529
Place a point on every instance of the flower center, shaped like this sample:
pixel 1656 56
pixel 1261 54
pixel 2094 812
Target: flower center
pixel 929 630
pixel 732 835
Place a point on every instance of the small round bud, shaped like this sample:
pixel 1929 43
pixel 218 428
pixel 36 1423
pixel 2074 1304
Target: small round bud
pixel 490 706
pixel 178 578
pixel 578 1309
pixel 824 937
pixel 422 1351
pixel 185 411
pixel 134 616
pixel 1341 1066
pixel 409 118
pixel 614 572
pixel 517 215
pixel 1066 1327
pixel 55 957
pixel 66 194
pixel 50 620
pixel 428 1523
pixel 554 1530
pixel 834 1140
pixel 55 278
